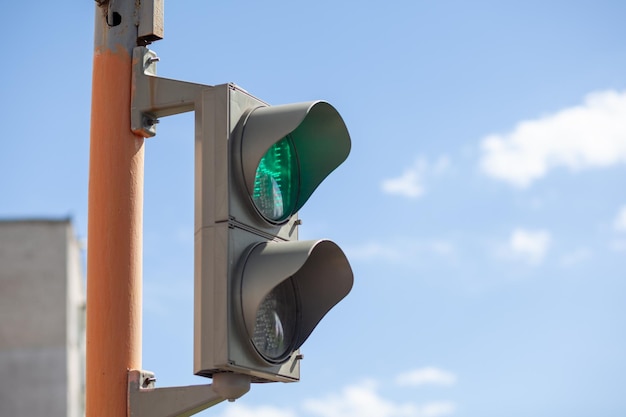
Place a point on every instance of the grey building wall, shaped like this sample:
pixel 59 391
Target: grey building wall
pixel 41 320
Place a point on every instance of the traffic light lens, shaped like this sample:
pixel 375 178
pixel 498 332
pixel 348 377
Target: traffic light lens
pixel 277 182
pixel 276 323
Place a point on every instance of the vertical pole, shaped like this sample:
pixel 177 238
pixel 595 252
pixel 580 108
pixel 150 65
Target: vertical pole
pixel 115 216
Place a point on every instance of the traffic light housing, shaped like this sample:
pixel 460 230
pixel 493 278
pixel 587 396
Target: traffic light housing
pixel 259 291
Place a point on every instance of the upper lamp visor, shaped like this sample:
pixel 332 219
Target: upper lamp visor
pixel 319 135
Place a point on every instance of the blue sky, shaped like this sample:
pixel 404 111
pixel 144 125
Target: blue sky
pixel 483 206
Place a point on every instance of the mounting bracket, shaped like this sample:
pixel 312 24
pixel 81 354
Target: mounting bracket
pixel 146 400
pixel 153 97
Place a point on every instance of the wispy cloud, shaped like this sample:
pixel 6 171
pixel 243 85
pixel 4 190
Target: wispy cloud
pixel 411 183
pixel 364 400
pixel 529 245
pixel 361 399
pixel 591 135
pixel 241 410
pixel 426 376
pixel 619 224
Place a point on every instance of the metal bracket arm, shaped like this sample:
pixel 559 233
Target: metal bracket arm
pixel 153 97
pixel 146 400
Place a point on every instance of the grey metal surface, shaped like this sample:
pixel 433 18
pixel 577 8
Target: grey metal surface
pixel 147 400
pixel 228 226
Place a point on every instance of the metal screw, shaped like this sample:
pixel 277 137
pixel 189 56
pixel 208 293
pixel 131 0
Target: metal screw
pixel 152 60
pixel 151 121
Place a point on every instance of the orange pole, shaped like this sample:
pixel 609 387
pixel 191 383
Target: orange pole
pixel 114 256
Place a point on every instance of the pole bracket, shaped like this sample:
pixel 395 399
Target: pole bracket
pixel 153 97
pixel 146 400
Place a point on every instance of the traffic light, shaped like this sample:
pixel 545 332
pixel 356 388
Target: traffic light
pixel 259 291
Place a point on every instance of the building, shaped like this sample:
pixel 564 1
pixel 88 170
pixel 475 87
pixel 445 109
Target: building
pixel 42 320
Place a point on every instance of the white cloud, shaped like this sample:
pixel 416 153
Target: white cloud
pixel 426 376
pixel 237 409
pixel 591 135
pixel 360 400
pixel 363 400
pixel 620 220
pixel 411 183
pixel 529 245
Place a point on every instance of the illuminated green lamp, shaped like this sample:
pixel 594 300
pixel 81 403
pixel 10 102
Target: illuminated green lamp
pixel 287 151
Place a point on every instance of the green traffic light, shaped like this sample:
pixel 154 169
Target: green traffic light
pixel 277 181
pixel 285 152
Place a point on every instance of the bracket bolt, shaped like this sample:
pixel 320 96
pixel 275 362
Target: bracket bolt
pixel 151 121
